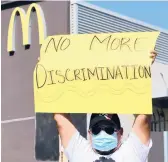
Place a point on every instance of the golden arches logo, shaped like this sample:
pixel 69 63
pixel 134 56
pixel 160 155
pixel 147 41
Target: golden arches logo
pixel 26 28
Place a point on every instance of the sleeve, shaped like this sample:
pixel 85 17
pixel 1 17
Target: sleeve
pixel 76 146
pixel 135 147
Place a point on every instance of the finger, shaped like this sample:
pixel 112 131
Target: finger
pixel 153 52
pixel 152 55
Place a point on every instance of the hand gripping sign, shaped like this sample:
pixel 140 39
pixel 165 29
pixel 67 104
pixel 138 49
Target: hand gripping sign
pixel 95 73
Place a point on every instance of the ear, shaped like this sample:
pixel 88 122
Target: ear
pixel 89 131
pixel 121 131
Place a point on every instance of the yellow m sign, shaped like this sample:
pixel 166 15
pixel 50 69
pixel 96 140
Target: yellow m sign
pixel 26 26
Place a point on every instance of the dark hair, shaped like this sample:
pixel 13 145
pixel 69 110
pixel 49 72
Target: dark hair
pixel 116 120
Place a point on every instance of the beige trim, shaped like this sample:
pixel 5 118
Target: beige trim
pixel 62 157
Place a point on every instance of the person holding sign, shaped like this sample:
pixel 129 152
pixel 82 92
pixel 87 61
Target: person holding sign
pixel 105 134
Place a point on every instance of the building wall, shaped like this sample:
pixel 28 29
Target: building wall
pixel 157 152
pixel 18 138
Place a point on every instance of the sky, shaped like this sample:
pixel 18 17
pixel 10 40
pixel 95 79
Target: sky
pixel 151 12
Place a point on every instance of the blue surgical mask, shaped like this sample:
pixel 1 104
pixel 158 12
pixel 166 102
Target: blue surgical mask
pixel 104 142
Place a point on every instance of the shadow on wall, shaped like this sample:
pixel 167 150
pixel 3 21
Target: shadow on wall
pixel 160 115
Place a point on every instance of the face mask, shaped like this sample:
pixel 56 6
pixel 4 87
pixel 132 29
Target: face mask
pixel 104 142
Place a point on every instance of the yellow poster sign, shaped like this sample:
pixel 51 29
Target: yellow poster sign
pixel 91 73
